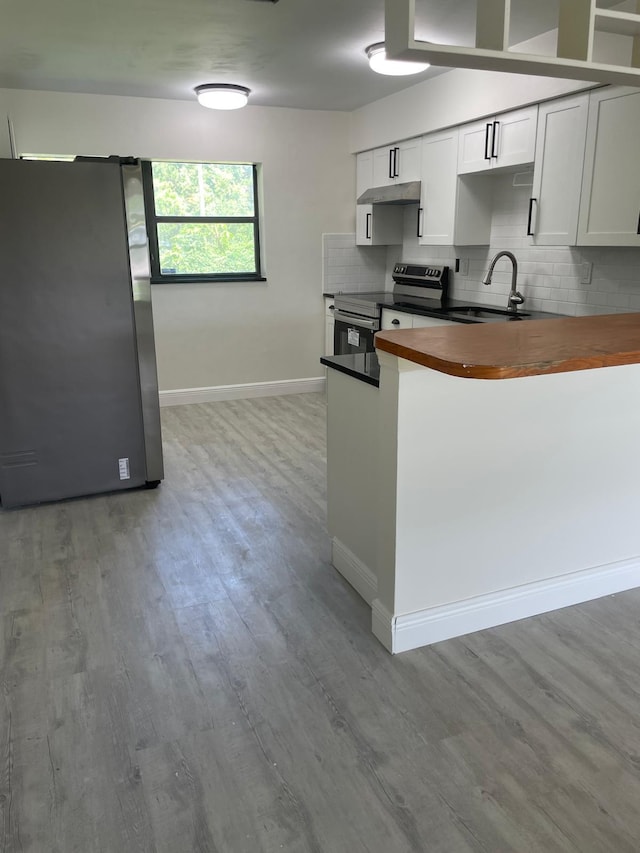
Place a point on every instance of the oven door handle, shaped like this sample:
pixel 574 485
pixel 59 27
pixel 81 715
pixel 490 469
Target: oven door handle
pixel 353 320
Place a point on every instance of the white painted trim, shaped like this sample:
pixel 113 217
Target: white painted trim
pixel 353 570
pixel 413 630
pixel 383 624
pixel 216 393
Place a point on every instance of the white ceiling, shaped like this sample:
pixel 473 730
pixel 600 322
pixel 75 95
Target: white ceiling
pixel 293 53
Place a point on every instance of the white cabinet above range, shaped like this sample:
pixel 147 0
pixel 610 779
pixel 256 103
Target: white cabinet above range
pixel 501 141
pixel 381 225
pixel 396 164
pixel 393 164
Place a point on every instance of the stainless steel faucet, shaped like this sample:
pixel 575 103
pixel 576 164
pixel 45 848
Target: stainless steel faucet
pixel 515 298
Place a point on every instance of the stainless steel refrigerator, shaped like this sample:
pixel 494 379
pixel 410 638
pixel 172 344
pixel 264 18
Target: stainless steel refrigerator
pixel 79 410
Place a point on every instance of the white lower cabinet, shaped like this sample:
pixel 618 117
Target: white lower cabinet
pixel 401 320
pixel 395 320
pixel 329 325
pixel 420 322
pixel 557 174
pixel 610 201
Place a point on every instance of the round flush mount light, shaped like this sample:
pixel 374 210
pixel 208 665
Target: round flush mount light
pixel 395 67
pixel 222 96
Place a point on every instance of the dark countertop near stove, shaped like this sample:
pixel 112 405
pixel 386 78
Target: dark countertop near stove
pixel 447 311
pixel 362 365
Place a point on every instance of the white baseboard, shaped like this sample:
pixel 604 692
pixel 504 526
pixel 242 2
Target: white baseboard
pixel 383 624
pixel 412 630
pixel 361 578
pixel 217 393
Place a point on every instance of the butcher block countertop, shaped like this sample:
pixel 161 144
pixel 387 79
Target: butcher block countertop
pixel 523 348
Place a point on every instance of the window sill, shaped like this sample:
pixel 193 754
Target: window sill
pixel 195 279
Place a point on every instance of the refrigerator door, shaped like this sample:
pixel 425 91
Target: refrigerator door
pixel 70 403
pixel 143 318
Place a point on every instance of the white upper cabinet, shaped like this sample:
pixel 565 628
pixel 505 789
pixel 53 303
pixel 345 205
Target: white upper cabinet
pixel 453 210
pixel 503 141
pixel 610 201
pixel 378 224
pixel 436 214
pixel 364 172
pixel 557 175
pixel 397 163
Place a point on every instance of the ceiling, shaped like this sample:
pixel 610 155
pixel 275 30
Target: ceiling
pixel 293 53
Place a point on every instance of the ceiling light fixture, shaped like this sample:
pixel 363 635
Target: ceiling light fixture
pixel 222 96
pixel 395 67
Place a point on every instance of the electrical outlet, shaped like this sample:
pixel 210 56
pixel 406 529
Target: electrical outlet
pixel 462 266
pixel 587 269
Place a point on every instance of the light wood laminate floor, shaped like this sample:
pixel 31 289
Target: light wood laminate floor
pixel 182 670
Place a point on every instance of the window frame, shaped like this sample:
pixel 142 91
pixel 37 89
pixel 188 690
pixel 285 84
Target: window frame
pixel 157 276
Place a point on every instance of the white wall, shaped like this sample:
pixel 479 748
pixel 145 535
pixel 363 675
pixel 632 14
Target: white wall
pixel 447 100
pixel 223 334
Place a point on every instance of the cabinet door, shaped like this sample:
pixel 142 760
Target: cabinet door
pixel 436 216
pixel 508 139
pixel 474 150
pixel 379 224
pixel 557 176
pixel 329 327
pixel 364 224
pixel 383 166
pixel 610 200
pixel 395 320
pixel 408 160
pixel 514 137
pixel 426 322
pixel 364 172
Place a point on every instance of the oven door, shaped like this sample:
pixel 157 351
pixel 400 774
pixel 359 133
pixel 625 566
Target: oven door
pixel 353 333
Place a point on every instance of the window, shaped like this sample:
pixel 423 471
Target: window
pixel 203 221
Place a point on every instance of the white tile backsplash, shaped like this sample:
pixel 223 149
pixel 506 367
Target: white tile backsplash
pixel 347 267
pixel 548 276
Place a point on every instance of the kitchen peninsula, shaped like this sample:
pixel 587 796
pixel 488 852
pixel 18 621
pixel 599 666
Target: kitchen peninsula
pixel 493 475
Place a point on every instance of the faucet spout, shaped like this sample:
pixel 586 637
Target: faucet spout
pixel 515 298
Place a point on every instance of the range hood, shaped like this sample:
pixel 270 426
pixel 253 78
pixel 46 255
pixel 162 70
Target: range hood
pixel 408 193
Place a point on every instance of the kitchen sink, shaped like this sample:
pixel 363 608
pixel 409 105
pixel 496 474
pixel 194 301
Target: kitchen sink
pixel 480 312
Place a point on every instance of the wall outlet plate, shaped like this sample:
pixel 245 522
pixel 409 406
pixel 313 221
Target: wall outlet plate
pixel 587 270
pixel 462 266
